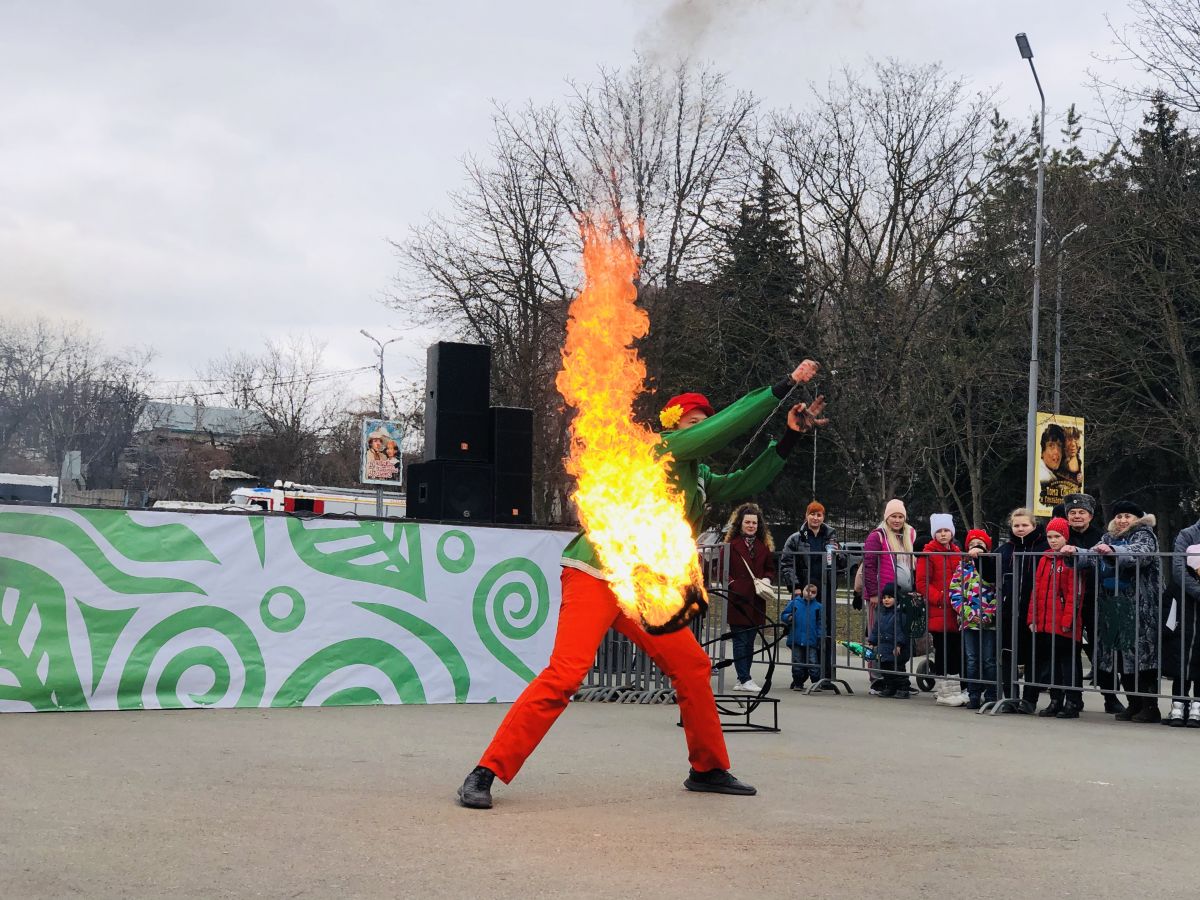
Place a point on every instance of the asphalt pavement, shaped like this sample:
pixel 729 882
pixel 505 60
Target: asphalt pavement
pixel 858 796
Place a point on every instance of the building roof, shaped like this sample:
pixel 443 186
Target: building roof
pixel 188 418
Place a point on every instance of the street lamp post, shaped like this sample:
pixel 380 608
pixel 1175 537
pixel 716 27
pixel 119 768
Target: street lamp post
pixel 1031 419
pixel 1062 251
pixel 379 349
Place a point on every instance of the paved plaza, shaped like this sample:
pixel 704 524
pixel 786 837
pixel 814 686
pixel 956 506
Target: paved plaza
pixel 858 796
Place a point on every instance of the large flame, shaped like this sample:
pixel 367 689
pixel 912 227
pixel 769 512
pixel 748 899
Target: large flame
pixel 632 515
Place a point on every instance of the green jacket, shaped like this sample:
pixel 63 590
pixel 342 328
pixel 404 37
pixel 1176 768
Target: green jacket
pixel 696 480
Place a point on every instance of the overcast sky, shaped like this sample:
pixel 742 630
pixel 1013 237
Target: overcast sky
pixel 200 176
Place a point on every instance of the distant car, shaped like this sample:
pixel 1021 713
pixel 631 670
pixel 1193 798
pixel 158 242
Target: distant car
pixel 851 559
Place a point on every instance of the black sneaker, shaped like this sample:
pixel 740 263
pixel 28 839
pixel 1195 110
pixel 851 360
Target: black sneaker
pixel 974 703
pixel 476 791
pixel 1069 711
pixel 902 693
pixel 717 781
pixel 1113 705
pixel 887 691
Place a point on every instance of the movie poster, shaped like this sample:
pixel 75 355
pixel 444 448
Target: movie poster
pixel 1060 445
pixel 381 440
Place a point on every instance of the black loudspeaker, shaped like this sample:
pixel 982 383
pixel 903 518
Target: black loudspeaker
pixel 457 391
pixel 512 459
pixel 448 489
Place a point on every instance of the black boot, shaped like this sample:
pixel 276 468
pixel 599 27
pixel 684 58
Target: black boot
pixel 1148 713
pixel 717 781
pixel 1127 714
pixel 476 791
pixel 1069 711
pixel 1112 704
pixel 1052 710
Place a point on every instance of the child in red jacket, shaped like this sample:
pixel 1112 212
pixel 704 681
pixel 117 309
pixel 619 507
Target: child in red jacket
pixel 1057 627
pixel 935 570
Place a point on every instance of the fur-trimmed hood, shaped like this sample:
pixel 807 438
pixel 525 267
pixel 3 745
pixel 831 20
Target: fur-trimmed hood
pixel 1146 521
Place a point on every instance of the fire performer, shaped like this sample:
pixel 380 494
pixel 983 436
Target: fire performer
pixel 589 607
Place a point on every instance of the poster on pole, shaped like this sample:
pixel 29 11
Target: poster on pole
pixel 1060 463
pixel 381 441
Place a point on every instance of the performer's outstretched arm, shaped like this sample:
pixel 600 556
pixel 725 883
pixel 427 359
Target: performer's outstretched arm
pixel 707 437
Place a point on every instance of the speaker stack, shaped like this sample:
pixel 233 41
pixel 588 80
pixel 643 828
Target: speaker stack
pixel 478 460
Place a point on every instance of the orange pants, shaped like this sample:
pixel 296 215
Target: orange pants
pixel 589 608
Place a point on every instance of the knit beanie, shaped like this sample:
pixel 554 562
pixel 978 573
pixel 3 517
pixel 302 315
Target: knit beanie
pixel 977 534
pixel 814 507
pixel 938 521
pixel 895 506
pixel 1059 525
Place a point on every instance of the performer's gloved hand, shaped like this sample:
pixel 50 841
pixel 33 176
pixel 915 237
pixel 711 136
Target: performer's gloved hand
pixel 806 416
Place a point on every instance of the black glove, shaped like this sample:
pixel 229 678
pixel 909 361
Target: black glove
pixel 857 602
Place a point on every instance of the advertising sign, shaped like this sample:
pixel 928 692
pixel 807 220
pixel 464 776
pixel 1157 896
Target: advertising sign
pixel 381 441
pixel 1060 463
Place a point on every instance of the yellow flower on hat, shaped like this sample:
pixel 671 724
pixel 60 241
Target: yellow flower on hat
pixel 670 416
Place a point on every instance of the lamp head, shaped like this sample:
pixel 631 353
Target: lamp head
pixel 1023 46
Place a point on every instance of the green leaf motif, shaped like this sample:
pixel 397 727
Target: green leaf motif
pixel 516 624
pixel 441 645
pixel 383 553
pixel 353 652
pixel 36 665
pixel 172 542
pixel 79 542
pixel 103 627
pixel 249 659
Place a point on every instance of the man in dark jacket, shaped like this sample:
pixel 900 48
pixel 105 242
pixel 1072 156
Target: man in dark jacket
pixel 803 561
pixel 1080 510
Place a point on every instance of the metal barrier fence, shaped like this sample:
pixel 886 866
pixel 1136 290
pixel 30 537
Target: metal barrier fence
pixel 622 673
pixel 1126 613
pixel 1129 613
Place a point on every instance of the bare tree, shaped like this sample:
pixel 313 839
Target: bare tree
pixel 1163 40
pixel 293 405
pixel 883 174
pixel 61 390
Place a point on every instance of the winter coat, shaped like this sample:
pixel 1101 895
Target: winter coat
pixel 879 565
pixel 1054 608
pixel 889 631
pixel 746 608
pixel 1018 565
pixel 934 571
pixel 973 593
pixel 1181 649
pixel 805 624
pixel 1127 597
pixel 1181 644
pixel 802 560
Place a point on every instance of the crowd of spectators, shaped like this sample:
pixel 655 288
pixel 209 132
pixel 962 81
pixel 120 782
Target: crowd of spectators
pixel 999 621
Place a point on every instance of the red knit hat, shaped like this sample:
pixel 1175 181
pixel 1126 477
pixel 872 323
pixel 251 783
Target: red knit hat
pixel 1060 525
pixel 977 534
pixel 686 403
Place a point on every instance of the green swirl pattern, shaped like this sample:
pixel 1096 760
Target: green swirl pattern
pixel 101 609
pixel 200 618
pixel 356 651
pixel 515 624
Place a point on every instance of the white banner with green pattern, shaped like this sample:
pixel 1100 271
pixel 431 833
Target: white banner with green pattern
pixel 108 609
